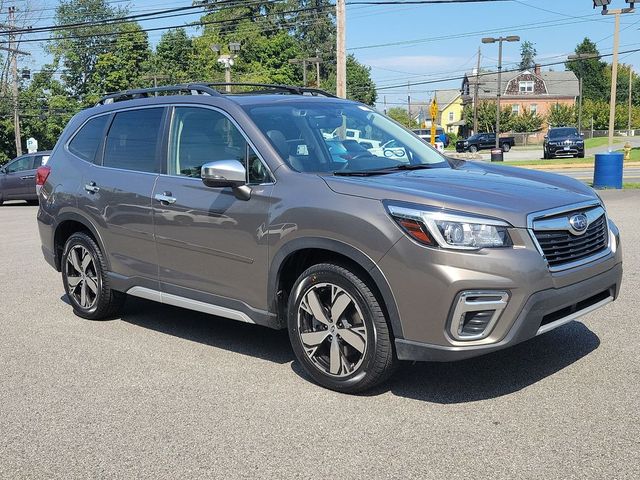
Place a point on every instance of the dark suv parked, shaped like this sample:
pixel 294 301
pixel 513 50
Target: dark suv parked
pixel 563 141
pixel 18 177
pixel 236 205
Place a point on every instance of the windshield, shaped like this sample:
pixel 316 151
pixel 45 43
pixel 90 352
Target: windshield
pixel 562 132
pixel 341 137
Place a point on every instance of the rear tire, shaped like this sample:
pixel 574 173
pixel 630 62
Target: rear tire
pixel 506 147
pixel 338 330
pixel 85 280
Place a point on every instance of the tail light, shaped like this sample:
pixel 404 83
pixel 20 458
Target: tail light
pixel 42 173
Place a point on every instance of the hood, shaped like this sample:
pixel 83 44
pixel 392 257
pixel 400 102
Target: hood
pixel 509 193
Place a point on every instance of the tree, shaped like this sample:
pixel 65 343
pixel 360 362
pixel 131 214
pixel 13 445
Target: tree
pixel 401 115
pixel 526 121
pixel 561 115
pixel 528 54
pixel 78 48
pixel 360 86
pixel 122 67
pixel 172 58
pixel 45 108
pixel 592 71
pixel 487 117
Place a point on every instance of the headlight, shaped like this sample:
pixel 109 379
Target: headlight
pixel 466 143
pixel 439 228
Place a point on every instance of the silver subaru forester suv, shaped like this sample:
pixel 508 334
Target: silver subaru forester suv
pixel 290 208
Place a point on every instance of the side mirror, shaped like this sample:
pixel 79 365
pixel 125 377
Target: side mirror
pixel 546 137
pixel 2 170
pixel 226 173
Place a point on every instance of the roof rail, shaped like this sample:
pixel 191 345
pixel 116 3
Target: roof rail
pixel 290 89
pixel 191 88
pixel 202 88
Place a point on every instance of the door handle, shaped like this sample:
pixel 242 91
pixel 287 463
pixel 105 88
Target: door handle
pixel 91 187
pixel 28 177
pixel 165 198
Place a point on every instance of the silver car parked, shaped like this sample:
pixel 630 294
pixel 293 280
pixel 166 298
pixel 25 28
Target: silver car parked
pixel 234 204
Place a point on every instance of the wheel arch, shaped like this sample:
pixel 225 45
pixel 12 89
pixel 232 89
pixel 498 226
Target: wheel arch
pixel 67 224
pixel 297 255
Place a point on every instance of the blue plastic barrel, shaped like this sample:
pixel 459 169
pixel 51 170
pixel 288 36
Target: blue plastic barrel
pixel 608 170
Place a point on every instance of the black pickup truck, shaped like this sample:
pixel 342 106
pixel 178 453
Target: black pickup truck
pixel 483 141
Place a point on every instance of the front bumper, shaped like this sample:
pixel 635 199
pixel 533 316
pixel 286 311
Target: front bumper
pixel 565 149
pixel 426 283
pixel 542 312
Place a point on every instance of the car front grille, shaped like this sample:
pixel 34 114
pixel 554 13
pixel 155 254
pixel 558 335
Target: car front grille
pixel 561 246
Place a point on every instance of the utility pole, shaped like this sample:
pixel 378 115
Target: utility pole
pixel 580 105
pixel 475 96
pixel 409 102
pixel 318 68
pixel 385 104
pixel 14 52
pixel 341 54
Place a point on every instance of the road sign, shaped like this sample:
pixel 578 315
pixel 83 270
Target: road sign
pixel 434 120
pixel 32 145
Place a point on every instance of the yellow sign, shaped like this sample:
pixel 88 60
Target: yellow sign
pixel 434 120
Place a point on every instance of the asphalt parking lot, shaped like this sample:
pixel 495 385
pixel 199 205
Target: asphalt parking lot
pixel 168 393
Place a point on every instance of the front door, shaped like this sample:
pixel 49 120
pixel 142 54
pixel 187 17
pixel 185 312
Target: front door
pixel 210 246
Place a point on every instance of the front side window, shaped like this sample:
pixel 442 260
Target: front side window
pixel 20 165
pixel 132 140
pixel 200 136
pixel 340 137
pixel 86 142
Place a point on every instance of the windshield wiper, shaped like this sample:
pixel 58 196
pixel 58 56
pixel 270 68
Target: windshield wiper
pixel 382 171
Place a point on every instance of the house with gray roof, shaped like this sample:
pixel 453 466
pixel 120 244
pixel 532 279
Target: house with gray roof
pixel 533 90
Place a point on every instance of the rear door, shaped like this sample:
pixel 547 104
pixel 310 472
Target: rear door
pixel 117 191
pixel 19 176
pixel 211 245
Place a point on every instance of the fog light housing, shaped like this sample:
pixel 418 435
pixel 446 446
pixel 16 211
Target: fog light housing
pixel 475 313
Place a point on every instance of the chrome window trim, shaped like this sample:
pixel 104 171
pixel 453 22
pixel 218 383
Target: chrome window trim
pixel 235 124
pixel 110 112
pixel 540 215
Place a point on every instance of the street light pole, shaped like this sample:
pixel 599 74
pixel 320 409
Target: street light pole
pixel 510 38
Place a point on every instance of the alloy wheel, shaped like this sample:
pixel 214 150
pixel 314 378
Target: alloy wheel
pixel 332 329
pixel 82 277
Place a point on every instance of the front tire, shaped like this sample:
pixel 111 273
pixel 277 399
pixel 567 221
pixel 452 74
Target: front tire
pixel 85 281
pixel 338 330
pixel 473 149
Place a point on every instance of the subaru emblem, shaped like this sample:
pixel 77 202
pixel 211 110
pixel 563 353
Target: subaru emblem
pixel 579 222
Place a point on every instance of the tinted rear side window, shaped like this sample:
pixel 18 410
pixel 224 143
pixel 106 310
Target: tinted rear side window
pixel 133 139
pixel 86 142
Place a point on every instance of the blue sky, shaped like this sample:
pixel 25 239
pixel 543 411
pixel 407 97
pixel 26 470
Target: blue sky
pixel 434 42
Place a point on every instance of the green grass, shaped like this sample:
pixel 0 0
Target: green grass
pixel 600 141
pixel 556 161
